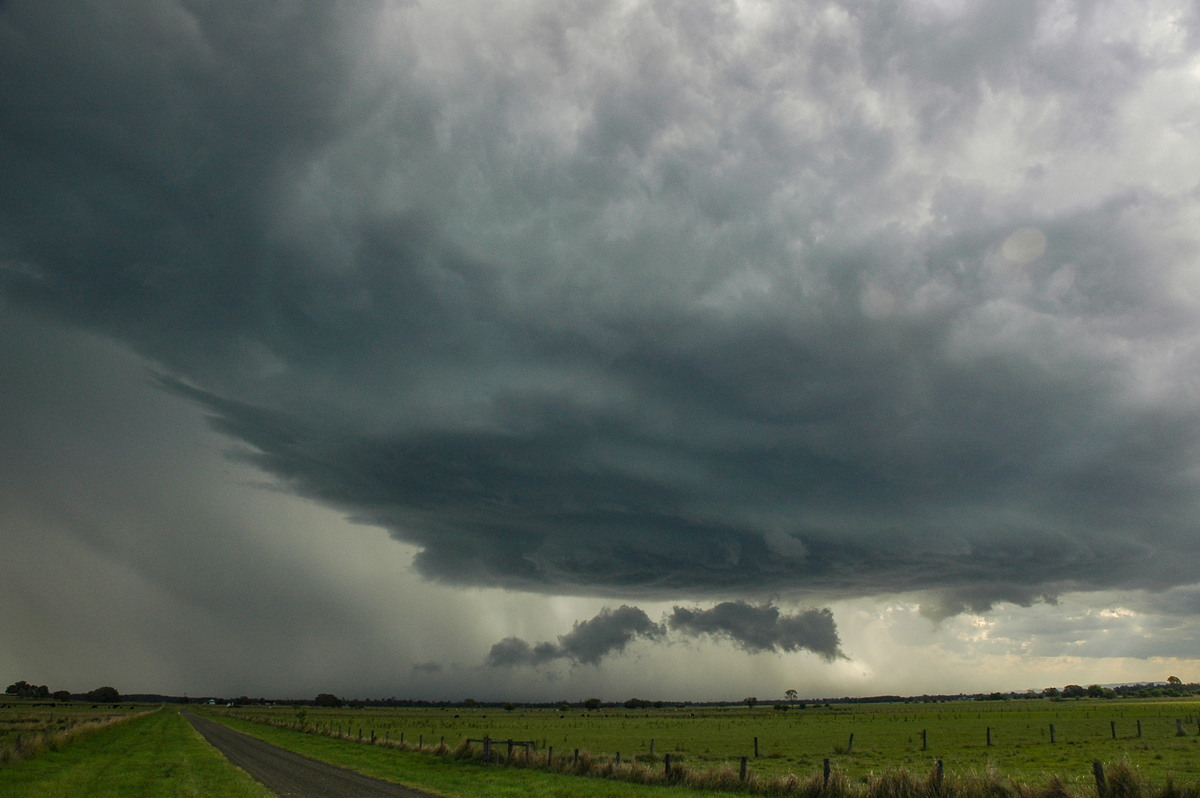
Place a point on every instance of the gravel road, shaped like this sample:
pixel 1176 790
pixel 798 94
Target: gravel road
pixel 292 775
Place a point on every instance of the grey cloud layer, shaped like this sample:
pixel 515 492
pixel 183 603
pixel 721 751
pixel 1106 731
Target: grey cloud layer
pixel 647 300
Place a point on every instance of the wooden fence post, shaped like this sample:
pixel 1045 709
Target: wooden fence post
pixel 989 735
pixel 1139 727
pixel 1098 772
pixel 618 758
pixel 924 739
pixel 1051 732
pixel 742 769
pixel 1112 725
pixel 667 766
pixel 826 771
pixel 850 745
pixel 756 748
pixel 651 746
pixel 940 772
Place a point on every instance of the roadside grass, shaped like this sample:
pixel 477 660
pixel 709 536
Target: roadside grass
pixel 886 737
pixel 30 728
pixel 157 754
pixel 460 774
pixel 443 775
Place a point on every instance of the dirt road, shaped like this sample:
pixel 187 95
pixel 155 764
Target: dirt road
pixel 292 775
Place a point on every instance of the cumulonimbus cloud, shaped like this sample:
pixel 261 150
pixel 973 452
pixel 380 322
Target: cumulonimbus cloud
pixel 653 326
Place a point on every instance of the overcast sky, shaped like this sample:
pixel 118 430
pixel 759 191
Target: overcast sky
pixel 670 349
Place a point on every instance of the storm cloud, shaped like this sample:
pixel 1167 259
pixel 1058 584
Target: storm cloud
pixel 763 628
pixel 650 300
pixel 753 628
pixel 587 643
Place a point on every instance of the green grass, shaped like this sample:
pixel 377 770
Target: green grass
pixel 158 754
pixel 28 722
pixel 447 777
pixel 886 736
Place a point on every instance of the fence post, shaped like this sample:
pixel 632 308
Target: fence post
pixel 575 761
pixel 742 770
pixel 850 745
pixel 989 735
pixel 940 773
pixel 1139 727
pixel 826 771
pixel 924 739
pixel 618 757
pixel 1098 772
pixel 487 750
pixel 756 748
pixel 372 737
pixel 651 746
pixel 550 756
pixel 667 766
pixel 1112 725
pixel 1179 732
pixel 1051 732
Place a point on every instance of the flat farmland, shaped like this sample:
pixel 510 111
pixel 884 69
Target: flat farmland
pixel 1029 740
pixel 25 724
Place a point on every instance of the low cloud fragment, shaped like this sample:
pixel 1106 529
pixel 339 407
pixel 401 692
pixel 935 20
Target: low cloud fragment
pixel 587 643
pixel 763 627
pixel 754 628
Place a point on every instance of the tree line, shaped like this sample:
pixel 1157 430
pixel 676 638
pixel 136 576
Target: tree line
pixel 23 689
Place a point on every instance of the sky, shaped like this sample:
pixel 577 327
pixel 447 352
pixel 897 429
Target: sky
pixel 622 348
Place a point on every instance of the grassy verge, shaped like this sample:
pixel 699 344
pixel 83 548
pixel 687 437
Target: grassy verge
pixel 459 773
pixel 448 777
pixel 158 754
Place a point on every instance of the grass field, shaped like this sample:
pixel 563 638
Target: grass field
pixel 27 727
pixel 886 737
pixel 157 754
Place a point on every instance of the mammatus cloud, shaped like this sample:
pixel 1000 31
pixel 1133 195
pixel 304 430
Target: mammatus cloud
pixel 763 628
pixel 753 628
pixel 823 301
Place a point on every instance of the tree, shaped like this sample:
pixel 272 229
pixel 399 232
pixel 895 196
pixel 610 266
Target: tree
pixel 791 694
pixel 24 689
pixel 750 701
pixel 61 695
pixel 592 704
pixel 327 700
pixel 1073 691
pixel 1174 680
pixel 104 695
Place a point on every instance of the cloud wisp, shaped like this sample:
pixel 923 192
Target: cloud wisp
pixel 754 628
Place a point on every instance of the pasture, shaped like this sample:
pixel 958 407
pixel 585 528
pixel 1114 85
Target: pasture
pixel 27 726
pixel 1030 740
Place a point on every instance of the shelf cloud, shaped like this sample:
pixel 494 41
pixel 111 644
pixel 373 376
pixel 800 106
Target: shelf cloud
pixel 673 302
